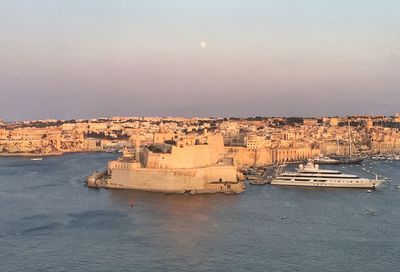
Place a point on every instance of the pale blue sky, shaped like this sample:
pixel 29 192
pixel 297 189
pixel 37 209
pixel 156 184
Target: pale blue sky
pixel 92 58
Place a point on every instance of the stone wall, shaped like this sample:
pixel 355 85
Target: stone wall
pixel 245 157
pixel 187 156
pixel 219 178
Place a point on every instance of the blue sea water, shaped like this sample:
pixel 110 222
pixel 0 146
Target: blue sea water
pixel 50 222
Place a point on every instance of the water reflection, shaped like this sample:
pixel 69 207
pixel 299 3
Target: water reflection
pixel 185 220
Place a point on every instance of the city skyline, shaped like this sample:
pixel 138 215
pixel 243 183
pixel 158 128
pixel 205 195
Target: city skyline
pixel 64 60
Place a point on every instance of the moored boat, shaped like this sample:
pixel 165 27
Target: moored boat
pixel 348 160
pixel 326 160
pixel 312 175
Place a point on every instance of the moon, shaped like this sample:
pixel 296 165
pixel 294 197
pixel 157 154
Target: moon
pixel 203 45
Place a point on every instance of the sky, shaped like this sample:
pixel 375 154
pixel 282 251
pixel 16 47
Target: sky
pixel 63 59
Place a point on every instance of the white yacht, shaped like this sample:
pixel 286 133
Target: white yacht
pixel 311 175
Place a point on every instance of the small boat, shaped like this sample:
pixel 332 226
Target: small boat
pixel 369 191
pixel 37 159
pixel 258 182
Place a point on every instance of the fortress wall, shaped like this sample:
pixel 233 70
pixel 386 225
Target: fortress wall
pixel 216 144
pixel 173 180
pixel 187 155
pixel 245 157
pixel 123 165
pixel 190 156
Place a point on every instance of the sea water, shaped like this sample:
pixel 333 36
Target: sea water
pixel 50 222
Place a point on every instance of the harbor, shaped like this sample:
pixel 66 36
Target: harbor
pixel 204 136
pixel 369 170
pixel 72 222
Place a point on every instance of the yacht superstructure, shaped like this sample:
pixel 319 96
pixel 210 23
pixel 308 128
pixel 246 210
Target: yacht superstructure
pixel 312 175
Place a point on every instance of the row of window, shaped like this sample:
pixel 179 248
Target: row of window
pixel 298 179
pixel 304 176
pixel 122 166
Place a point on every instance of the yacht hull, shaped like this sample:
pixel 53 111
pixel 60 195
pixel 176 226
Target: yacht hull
pixel 349 160
pixel 369 184
pixel 337 161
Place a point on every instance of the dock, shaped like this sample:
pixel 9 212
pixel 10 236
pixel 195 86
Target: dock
pixel 264 176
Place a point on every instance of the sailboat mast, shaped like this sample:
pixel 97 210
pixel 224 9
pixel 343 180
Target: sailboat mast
pixel 349 140
pixel 337 146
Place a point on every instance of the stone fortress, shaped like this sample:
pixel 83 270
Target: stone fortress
pixel 175 164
